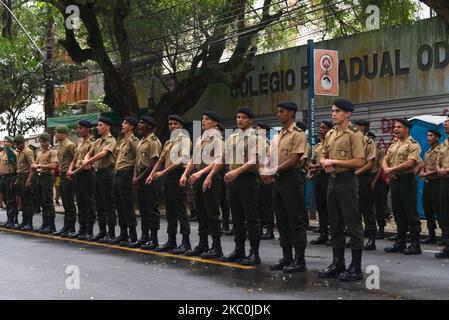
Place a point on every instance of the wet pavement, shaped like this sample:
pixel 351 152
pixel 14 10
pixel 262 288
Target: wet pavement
pixel 33 267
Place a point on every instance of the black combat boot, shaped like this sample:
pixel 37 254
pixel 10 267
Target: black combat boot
pixel 329 243
pixel 443 254
pixel 50 226
pixel 336 267
pixel 215 251
pixel 110 236
pixel 112 240
pixel 153 242
pixel 100 235
pixel 287 258
pixel 299 264
pixel 29 224
pixel 322 239
pixel 203 246
pixel 70 230
pixel 414 247
pixel 381 233
pixel 81 232
pixel 132 237
pixel 143 239
pixel 398 246
pixel 253 259
pixel 431 239
pixel 169 245
pixel 354 272
pixel 237 255
pixel 394 237
pixel 371 243
pixel 230 232
pixel 184 247
pixel 269 234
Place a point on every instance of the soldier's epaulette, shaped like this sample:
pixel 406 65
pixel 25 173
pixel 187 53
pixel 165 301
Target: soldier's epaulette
pixel 353 129
pixel 297 129
pixel 135 138
pixel 413 140
pixel 369 141
pixel 153 137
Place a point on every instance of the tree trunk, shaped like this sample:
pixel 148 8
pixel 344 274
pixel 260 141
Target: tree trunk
pixel 48 70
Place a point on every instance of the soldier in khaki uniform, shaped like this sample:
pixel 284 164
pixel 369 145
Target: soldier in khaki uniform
pixel 377 186
pixel 102 157
pixel 322 180
pixel 174 156
pixel 8 167
pixel 43 169
pixel 66 153
pixel 431 190
pixel 400 164
pixel 124 173
pixel 364 176
pixel 288 191
pixel 242 155
pixel 443 173
pixel 148 152
pixel 23 183
pixel 207 149
pixel 83 177
pixel 341 155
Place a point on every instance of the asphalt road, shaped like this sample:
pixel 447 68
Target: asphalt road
pixel 33 267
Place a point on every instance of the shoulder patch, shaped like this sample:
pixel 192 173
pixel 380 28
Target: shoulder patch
pixel 369 141
pixel 353 129
pixel 154 138
pixel 413 140
pixel 297 129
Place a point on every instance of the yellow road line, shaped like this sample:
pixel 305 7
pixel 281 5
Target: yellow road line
pixel 182 257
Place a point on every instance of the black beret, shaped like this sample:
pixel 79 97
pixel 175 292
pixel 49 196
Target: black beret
pixel 288 105
pixel 344 104
pixel 105 120
pixel 85 123
pixel 19 139
pixel 149 120
pixel 405 122
pixel 301 125
pixel 132 121
pixel 212 115
pixel 247 111
pixel 371 134
pixel 264 126
pixel 361 122
pixel 329 124
pixel 436 132
pixel 177 118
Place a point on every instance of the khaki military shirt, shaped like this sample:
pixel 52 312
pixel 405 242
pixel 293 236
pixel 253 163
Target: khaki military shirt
pixel 208 148
pixel 82 149
pixel 127 153
pixel 5 167
pixel 174 149
pixel 25 159
pixel 147 149
pixel 46 157
pixel 443 156
pixel 303 162
pixel 316 154
pixel 288 142
pixel 244 146
pixel 401 151
pixel 66 153
pixel 107 143
pixel 430 159
pixel 344 145
pixel 380 154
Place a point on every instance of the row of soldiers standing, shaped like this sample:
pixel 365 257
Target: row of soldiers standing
pixel 102 174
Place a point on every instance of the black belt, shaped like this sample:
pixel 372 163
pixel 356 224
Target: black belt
pixel 341 174
pixel 103 169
